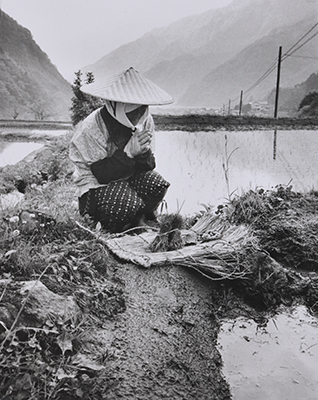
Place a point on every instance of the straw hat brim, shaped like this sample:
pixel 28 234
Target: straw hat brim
pixel 128 87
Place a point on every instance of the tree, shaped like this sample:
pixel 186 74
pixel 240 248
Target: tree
pixel 246 108
pixel 40 110
pixel 83 104
pixel 15 114
pixel 309 105
pixel 89 78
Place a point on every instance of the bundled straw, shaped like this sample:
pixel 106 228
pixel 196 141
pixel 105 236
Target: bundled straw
pixel 217 251
pixel 211 222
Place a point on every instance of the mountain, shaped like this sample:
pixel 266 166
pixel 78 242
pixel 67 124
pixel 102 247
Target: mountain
pixel 290 98
pixel 242 71
pixel 30 85
pixel 206 59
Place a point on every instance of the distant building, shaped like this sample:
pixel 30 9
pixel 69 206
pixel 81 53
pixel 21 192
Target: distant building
pixel 259 108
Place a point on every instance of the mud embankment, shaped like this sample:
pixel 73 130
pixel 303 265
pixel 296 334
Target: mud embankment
pixel 195 122
pixel 19 130
pixel 37 131
pixel 25 124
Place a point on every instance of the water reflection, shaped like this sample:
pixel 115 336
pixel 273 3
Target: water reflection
pixel 275 144
pixel 192 162
pixel 11 153
pixel 278 361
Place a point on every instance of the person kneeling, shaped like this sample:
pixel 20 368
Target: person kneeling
pixel 112 153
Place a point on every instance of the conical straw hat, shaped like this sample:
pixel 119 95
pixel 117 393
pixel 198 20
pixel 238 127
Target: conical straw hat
pixel 128 87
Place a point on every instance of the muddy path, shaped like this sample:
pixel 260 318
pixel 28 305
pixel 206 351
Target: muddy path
pixel 164 345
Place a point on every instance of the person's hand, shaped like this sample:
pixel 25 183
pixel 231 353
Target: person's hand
pixel 139 143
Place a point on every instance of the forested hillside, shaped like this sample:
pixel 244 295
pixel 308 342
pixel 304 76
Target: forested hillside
pixel 30 85
pixel 290 98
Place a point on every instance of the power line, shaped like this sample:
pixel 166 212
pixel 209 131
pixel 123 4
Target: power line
pixel 286 55
pixel 312 28
pixel 313 58
pixel 260 79
pixel 299 47
pixel 264 76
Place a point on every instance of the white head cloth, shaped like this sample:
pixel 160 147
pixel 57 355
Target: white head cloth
pixel 119 111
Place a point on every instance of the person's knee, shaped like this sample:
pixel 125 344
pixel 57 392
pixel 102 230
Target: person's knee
pixel 120 210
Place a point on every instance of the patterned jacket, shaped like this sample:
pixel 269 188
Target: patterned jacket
pixel 96 151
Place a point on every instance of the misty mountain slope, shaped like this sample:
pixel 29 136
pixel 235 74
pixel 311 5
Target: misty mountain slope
pixel 226 81
pixel 182 54
pixel 30 85
pixel 212 32
pixel 290 98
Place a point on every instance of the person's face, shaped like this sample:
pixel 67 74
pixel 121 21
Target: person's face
pixel 135 115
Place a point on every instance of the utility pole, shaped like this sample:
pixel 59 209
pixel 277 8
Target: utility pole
pixel 241 102
pixel 229 106
pixel 278 79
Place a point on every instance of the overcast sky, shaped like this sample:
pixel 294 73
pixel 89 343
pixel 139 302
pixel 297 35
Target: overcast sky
pixel 74 33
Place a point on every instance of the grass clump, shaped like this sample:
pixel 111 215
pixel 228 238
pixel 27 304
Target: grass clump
pixel 285 223
pixel 40 363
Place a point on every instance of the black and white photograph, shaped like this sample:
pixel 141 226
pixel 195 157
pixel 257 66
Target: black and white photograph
pixel 159 199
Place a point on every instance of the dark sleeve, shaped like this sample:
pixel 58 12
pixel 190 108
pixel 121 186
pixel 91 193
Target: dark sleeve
pixel 145 162
pixel 118 166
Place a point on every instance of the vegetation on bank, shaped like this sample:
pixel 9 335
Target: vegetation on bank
pixel 309 104
pixel 40 241
pixel 208 122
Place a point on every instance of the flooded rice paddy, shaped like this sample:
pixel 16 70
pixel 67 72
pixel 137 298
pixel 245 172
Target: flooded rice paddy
pixel 206 167
pixel 13 152
pixel 193 163
pixel 276 361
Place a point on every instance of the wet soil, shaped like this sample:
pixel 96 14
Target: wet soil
pixel 164 345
